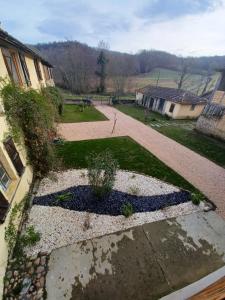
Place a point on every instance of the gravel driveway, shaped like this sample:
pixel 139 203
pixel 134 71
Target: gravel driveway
pixel 201 172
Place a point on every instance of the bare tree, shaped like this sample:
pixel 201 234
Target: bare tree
pixel 207 82
pixel 184 74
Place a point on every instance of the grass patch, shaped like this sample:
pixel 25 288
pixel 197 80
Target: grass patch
pixel 206 146
pixel 138 113
pixel 73 113
pixel 210 148
pixel 130 156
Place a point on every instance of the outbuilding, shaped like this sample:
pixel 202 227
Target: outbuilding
pixel 176 103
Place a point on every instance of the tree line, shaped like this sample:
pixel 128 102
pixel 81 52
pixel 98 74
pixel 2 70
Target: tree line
pixel 82 69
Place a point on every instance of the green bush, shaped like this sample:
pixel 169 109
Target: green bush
pixel 196 198
pixel 54 96
pixel 102 169
pixel 127 209
pixel 31 237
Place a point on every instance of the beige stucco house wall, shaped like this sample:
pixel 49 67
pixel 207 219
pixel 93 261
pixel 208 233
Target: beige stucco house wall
pixel 19 185
pixel 184 111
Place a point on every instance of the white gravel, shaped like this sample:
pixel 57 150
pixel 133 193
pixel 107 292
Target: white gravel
pixel 60 227
pixel 127 182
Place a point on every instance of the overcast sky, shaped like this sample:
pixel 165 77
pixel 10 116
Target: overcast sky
pixel 183 27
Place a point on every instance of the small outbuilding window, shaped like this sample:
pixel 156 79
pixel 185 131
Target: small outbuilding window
pixel 192 107
pixel 172 106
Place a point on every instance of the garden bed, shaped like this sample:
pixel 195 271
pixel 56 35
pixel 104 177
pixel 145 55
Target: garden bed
pixel 65 210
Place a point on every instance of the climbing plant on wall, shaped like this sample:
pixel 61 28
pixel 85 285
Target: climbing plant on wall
pixel 31 115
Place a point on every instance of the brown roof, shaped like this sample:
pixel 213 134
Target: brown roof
pixel 6 39
pixel 172 94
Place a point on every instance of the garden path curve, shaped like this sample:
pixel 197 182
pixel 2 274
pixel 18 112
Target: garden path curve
pixel 198 170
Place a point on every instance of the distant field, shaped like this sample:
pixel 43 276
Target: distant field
pixel 167 78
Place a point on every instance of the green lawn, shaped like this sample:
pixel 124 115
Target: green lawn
pixel 73 113
pixel 130 155
pixel 181 131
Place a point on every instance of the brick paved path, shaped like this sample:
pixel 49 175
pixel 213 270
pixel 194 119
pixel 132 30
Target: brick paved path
pixel 201 172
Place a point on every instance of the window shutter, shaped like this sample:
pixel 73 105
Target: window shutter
pixel 25 69
pixel 14 156
pixel 4 206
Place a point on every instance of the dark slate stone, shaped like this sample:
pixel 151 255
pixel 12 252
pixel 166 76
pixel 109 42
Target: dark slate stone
pixel 80 198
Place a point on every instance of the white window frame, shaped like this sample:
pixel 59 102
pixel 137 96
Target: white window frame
pixel 4 186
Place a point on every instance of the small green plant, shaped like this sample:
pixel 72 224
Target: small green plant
pixel 17 242
pixel 11 230
pixel 102 169
pixel 31 237
pixel 63 197
pixel 127 209
pixel 134 190
pixel 196 198
pixel 17 289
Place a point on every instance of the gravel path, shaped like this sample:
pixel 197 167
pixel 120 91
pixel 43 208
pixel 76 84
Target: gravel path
pixel 60 227
pixel 201 172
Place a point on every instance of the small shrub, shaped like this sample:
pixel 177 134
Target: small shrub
pixel 127 209
pixel 196 198
pixel 31 237
pixel 134 190
pixel 102 169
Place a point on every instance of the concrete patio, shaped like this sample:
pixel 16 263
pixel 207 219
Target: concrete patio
pixel 144 262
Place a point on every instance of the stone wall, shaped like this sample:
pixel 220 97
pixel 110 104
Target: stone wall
pixel 212 126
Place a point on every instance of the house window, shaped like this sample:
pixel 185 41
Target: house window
pixel 172 106
pixel 4 178
pixel 192 107
pixel 4 206
pixel 14 155
pixel 24 69
pixel 38 70
pixel 12 66
pixel 47 72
